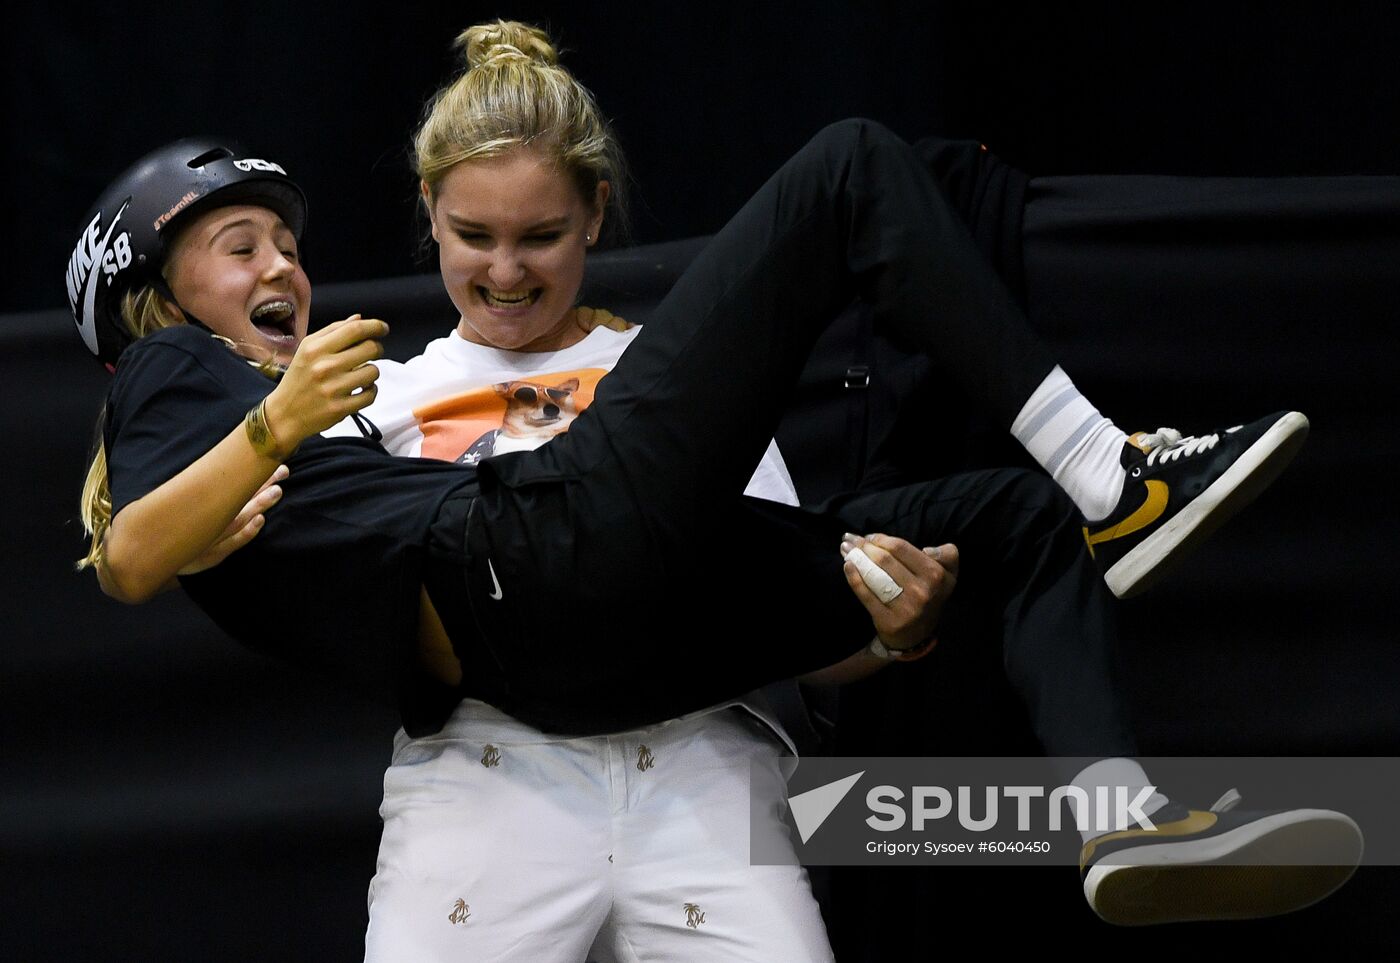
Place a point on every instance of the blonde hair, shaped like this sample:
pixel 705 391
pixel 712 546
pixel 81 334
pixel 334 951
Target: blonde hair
pixel 513 93
pixel 144 311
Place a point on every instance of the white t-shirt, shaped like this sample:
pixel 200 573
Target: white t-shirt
pixel 461 401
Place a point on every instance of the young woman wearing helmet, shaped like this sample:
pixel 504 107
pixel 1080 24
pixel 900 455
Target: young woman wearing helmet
pixel 234 272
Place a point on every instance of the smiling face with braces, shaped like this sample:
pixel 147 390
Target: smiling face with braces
pixel 237 270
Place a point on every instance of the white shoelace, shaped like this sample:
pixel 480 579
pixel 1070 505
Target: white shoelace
pixel 1168 444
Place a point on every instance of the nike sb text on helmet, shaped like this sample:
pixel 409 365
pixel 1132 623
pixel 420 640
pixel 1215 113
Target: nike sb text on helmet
pixel 123 242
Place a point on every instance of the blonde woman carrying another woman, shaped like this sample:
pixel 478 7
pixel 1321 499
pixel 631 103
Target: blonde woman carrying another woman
pixel 604 581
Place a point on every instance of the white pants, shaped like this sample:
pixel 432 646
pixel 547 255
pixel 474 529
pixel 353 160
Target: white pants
pixel 504 843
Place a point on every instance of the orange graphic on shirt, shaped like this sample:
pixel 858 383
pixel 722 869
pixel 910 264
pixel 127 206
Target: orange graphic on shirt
pixel 510 416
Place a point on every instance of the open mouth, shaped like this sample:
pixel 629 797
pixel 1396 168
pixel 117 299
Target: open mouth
pixel 509 299
pixel 276 320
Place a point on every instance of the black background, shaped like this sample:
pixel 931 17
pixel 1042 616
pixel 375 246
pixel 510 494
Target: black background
pixel 167 796
pixel 707 97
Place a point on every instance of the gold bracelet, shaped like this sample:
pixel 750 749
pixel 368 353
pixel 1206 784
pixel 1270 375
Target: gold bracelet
pixel 260 434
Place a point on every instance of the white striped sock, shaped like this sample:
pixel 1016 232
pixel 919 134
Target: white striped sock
pixel 1070 439
pixel 1110 774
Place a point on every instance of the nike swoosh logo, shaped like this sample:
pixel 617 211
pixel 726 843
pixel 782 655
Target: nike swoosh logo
pixel 1147 513
pixel 87 326
pixel 496 592
pixel 1195 822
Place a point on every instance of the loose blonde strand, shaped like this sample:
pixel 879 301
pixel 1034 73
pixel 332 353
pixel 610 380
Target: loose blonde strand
pixel 95 509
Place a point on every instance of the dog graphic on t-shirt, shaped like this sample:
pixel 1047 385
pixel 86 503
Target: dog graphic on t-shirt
pixel 535 413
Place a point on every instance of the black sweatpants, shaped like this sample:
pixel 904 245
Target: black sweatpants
pixel 616 575
pixel 1030 619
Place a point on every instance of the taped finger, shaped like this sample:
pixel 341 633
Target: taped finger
pixel 876 579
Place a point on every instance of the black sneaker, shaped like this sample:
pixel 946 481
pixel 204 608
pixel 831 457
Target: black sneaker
pixel 1182 488
pixel 1218 865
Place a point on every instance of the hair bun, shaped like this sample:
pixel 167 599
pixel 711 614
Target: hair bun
pixel 506 40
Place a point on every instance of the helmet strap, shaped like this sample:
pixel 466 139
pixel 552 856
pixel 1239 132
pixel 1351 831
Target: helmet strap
pixel 163 289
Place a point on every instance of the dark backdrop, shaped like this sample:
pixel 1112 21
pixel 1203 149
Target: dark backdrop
pixel 707 97
pixel 161 787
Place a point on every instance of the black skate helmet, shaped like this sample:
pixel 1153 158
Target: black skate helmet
pixel 123 241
